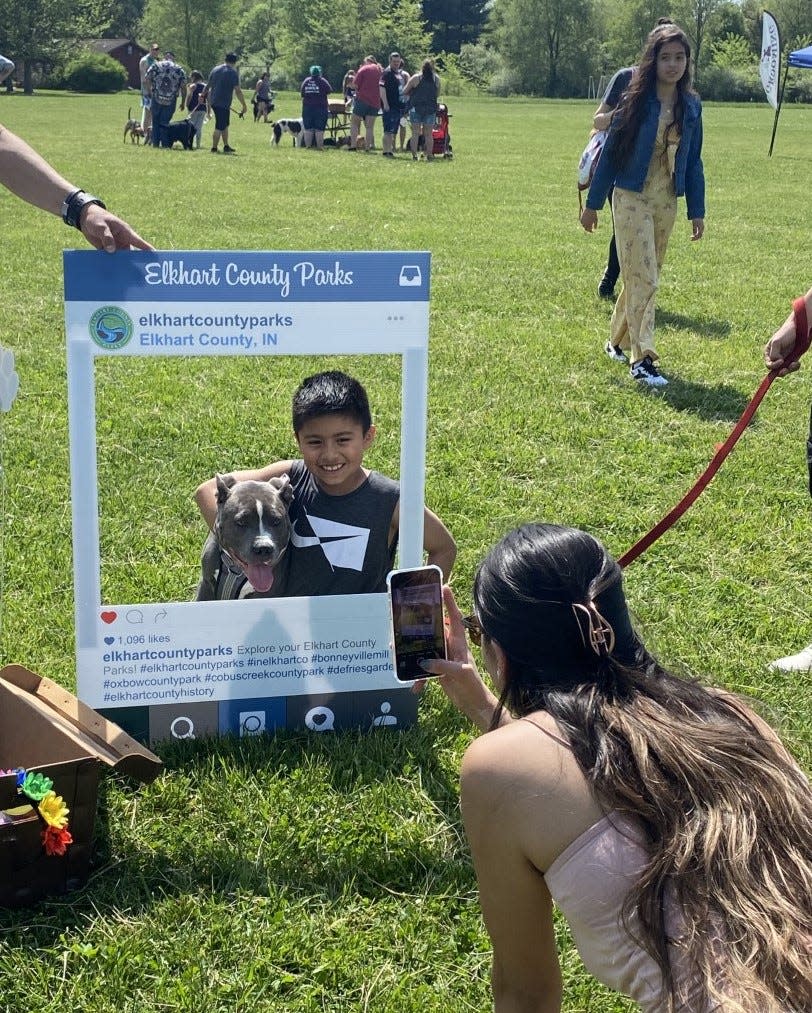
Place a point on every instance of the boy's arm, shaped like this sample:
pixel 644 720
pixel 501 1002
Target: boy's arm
pixel 206 493
pixel 438 543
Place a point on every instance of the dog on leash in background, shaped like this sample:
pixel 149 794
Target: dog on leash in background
pixel 133 128
pixel 293 127
pixel 182 132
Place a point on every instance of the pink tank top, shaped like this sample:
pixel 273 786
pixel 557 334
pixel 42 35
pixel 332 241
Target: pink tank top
pixel 589 882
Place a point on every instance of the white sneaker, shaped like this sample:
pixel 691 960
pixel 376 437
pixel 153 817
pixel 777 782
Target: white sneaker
pixel 800 662
pixel 615 352
pixel 646 372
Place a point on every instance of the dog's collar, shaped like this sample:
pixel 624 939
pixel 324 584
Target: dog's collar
pixel 230 562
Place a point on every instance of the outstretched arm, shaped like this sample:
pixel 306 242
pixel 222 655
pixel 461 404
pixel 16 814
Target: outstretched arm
pixel 28 175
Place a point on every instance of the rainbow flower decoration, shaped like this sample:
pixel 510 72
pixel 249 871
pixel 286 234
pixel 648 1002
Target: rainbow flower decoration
pixel 53 810
pixel 36 786
pixel 51 807
pixel 55 840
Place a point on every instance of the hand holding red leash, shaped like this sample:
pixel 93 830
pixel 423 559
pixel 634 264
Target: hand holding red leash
pixel 783 351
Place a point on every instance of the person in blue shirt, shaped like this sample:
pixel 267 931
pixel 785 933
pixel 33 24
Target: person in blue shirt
pixel 652 156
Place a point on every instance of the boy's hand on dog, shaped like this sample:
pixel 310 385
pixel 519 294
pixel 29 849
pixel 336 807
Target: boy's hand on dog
pixel 589 219
pixel 105 231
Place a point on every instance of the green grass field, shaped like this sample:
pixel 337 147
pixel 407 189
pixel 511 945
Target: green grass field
pixel 306 875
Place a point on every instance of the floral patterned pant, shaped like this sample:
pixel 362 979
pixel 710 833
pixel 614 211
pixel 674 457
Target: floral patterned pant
pixel 643 224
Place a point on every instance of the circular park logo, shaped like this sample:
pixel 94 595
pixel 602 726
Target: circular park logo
pixel 111 328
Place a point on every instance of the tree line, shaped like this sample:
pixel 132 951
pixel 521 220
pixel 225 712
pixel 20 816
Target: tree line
pixel 555 48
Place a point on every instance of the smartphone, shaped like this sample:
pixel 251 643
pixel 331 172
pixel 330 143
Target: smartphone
pixel 416 605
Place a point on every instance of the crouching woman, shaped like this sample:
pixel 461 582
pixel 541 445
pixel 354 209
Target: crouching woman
pixel 665 820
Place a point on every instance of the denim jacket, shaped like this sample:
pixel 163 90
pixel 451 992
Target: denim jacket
pixel 689 176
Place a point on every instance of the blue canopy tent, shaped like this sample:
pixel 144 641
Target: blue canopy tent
pixel 800 58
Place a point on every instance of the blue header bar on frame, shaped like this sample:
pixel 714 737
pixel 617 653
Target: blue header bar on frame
pixel 229 276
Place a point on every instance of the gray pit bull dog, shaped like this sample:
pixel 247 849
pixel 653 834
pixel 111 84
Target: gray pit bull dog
pixel 250 535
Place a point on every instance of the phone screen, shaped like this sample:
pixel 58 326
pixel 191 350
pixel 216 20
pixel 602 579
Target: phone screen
pixel 416 601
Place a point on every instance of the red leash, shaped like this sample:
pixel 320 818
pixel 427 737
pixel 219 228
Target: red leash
pixel 803 336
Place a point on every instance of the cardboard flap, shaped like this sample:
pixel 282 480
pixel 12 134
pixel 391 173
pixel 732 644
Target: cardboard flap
pixel 86 727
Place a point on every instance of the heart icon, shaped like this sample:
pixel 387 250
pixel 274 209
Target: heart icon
pixel 109 617
pixel 109 640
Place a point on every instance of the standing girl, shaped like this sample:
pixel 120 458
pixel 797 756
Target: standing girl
pixel 196 104
pixel 422 91
pixel 652 156
pixel 262 97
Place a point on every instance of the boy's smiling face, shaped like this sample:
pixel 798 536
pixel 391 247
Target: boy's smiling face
pixel 333 448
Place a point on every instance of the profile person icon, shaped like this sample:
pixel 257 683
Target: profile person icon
pixel 385 718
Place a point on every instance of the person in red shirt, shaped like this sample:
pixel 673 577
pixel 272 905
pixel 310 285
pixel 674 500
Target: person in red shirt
pixel 367 102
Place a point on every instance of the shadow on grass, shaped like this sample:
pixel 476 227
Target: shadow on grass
pixel 718 403
pixel 706 326
pixel 392 853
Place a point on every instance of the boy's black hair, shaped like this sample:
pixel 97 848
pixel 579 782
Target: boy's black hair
pixel 330 393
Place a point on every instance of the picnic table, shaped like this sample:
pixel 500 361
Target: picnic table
pixel 338 122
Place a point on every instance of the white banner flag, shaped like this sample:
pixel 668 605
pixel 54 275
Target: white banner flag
pixel 770 57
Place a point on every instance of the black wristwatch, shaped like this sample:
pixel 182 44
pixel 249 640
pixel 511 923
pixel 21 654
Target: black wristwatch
pixel 74 203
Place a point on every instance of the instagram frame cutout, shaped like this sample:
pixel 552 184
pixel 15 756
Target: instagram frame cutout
pixel 196 655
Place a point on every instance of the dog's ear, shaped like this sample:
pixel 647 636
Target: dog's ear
pixel 224 484
pixel 283 487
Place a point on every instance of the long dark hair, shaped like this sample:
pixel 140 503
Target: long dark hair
pixel 726 814
pixel 630 111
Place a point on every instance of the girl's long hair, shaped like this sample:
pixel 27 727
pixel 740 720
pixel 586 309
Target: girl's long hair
pixel 726 814
pixel 631 108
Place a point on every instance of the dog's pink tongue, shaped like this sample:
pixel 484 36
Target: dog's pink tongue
pixel 260 577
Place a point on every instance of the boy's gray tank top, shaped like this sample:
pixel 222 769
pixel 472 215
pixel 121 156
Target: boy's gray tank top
pixel 339 544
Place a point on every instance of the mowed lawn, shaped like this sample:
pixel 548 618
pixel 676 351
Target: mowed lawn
pixel 331 874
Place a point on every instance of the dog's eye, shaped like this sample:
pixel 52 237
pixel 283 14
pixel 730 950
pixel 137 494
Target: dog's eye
pixel 241 521
pixel 274 522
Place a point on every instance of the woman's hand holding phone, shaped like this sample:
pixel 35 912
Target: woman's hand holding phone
pixel 459 677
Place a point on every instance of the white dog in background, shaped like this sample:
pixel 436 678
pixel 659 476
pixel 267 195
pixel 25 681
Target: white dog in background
pixel 293 127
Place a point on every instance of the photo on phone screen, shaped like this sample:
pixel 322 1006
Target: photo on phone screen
pixel 416 602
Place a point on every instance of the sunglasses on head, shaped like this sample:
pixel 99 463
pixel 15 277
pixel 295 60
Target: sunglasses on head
pixel 473 629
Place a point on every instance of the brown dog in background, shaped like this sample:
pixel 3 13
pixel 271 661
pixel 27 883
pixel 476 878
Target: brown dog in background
pixel 133 128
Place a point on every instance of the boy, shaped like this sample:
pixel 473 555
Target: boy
pixel 344 517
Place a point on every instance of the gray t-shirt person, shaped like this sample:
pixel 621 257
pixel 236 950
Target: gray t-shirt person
pixel 222 82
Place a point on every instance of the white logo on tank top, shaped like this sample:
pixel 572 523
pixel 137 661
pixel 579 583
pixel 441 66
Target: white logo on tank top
pixel 343 545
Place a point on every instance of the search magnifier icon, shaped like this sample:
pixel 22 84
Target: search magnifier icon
pixel 182 727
